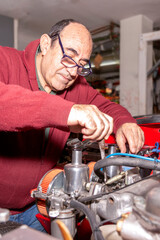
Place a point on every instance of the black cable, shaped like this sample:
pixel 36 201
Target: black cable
pixel 91 217
pixel 91 198
pixel 125 161
pixel 106 221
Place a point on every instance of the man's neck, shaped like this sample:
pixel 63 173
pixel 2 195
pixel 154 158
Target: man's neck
pixel 43 83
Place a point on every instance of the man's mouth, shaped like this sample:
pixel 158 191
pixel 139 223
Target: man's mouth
pixel 66 78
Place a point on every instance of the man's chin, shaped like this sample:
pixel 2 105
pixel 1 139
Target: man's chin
pixel 59 88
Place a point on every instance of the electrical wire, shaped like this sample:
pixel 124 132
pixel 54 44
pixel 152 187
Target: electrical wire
pixel 133 155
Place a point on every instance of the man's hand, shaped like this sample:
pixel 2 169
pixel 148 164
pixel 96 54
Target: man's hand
pixel 132 134
pixel 90 121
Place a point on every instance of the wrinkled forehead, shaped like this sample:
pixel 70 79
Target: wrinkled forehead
pixel 77 35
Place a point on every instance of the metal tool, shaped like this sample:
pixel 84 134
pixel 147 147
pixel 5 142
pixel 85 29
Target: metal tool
pixel 103 155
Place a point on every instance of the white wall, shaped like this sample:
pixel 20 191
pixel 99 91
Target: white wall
pixel 130 32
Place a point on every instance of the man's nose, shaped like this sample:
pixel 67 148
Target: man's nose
pixel 73 71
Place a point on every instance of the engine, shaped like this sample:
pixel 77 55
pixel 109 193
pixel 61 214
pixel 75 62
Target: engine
pixel 119 194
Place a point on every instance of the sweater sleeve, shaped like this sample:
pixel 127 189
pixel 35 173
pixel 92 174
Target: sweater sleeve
pixel 21 108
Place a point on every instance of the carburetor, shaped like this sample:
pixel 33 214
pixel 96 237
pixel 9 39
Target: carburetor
pixel 58 187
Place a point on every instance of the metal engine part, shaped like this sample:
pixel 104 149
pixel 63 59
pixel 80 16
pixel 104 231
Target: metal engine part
pixel 76 174
pixel 108 199
pixel 145 217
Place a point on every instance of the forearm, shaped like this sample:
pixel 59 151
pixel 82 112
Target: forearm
pixel 24 109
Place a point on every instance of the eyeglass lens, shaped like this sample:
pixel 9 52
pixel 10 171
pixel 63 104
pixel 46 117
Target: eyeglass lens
pixel 69 62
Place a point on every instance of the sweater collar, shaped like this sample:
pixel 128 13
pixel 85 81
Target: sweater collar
pixel 29 61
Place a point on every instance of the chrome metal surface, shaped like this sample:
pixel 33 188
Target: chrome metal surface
pixel 68 218
pixel 75 178
pixel 112 170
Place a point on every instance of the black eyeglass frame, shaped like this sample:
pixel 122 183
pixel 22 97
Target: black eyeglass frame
pixel 88 70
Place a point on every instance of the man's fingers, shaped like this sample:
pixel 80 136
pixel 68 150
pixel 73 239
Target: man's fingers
pixel 110 126
pixel 91 122
pixel 135 138
pixel 121 142
pixel 140 139
pixel 133 135
pixel 102 127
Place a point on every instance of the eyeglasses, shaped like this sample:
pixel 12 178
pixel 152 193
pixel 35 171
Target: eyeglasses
pixel 68 62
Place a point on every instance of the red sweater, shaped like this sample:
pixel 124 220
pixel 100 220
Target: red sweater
pixel 25 113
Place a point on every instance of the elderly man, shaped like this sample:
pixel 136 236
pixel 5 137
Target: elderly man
pixel 44 96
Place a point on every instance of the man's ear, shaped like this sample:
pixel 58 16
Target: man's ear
pixel 45 43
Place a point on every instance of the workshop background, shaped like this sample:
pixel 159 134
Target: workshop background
pixel 126 37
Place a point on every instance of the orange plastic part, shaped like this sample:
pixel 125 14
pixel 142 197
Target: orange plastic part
pixel 91 167
pixel 64 230
pixel 41 204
